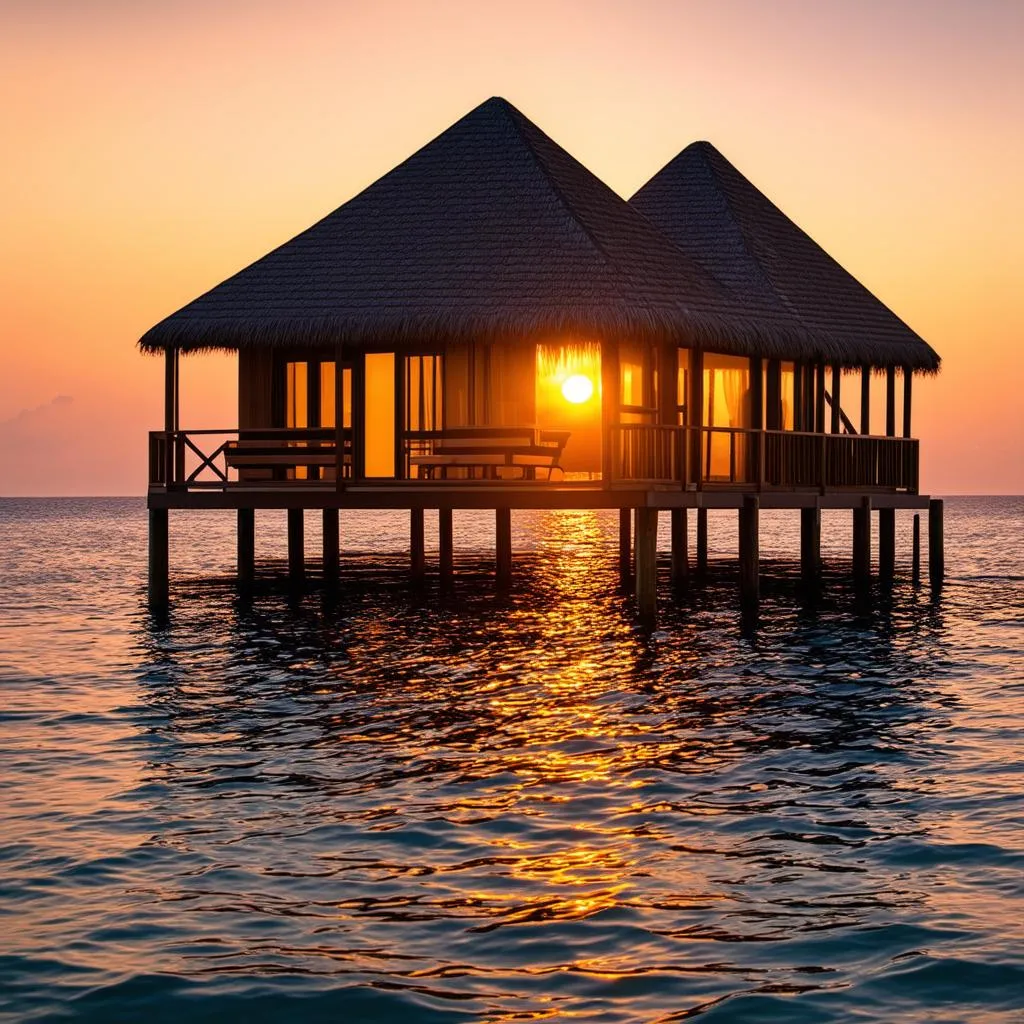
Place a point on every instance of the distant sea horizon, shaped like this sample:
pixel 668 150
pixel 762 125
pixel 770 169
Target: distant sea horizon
pixel 391 804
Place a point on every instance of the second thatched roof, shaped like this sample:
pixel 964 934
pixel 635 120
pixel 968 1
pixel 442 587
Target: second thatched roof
pixel 722 221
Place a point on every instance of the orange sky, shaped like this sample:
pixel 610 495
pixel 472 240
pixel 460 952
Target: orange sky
pixel 152 149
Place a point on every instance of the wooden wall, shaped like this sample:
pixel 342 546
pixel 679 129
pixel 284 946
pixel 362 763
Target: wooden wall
pixel 255 388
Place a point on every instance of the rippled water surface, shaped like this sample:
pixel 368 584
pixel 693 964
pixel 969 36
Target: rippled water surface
pixel 392 806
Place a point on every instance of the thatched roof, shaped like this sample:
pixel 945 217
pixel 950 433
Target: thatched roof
pixel 718 218
pixel 489 231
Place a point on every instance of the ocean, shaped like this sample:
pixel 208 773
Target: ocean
pixel 392 805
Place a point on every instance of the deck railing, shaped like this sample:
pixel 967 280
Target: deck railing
pixel 640 453
pixel 214 459
pixel 762 459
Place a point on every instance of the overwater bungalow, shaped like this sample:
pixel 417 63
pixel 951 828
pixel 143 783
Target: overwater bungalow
pixel 490 326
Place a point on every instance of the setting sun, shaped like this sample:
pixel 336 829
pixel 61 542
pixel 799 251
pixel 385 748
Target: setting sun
pixel 577 388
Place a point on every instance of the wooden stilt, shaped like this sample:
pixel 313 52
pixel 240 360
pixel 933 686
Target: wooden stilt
pixel 646 520
pixel 680 546
pixel 750 551
pixel 296 547
pixel 503 547
pixel 446 546
pixel 332 546
pixel 417 546
pixel 915 554
pixel 625 546
pixel 702 542
pixel 862 543
pixel 810 546
pixel 159 592
pixel 246 547
pixel 886 544
pixel 936 544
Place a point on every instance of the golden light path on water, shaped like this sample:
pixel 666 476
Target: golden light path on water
pixel 395 805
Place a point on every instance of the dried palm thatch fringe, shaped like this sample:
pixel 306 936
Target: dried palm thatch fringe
pixel 492 232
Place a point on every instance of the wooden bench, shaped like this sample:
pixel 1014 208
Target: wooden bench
pixel 276 450
pixel 490 450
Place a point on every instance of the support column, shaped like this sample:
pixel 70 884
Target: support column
pixel 503 547
pixel 837 379
pixel 680 546
pixel 886 544
pixel 332 546
pixel 750 551
pixel 915 553
pixel 625 546
pixel 810 546
pixel 646 520
pixel 446 546
pixel 296 547
pixel 908 387
pixel 936 544
pixel 862 543
pixel 890 401
pixel 702 542
pixel 246 547
pixel 819 398
pixel 417 546
pixel 158 560
pixel 865 399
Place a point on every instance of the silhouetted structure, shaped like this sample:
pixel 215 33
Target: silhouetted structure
pixel 489 325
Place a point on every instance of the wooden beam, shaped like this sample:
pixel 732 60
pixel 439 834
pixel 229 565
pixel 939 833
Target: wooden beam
pixel 400 417
pixel 417 546
pixel 609 407
pixel 158 590
pixel 359 416
pixel 837 378
pixel 695 414
pixel 865 399
pixel 798 396
pixel 819 398
pixel 886 544
pixel 246 547
pixel 702 542
pixel 646 525
pixel 503 547
pixel 862 544
pixel 331 545
pixel 936 544
pixel 810 546
pixel 908 383
pixel 680 546
pixel 625 546
pixel 756 393
pixel 339 418
pixel 890 401
pixel 915 553
pixel 296 547
pixel 773 396
pixel 446 546
pixel 750 551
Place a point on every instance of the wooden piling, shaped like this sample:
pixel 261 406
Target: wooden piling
pixel 915 554
pixel 417 546
pixel 331 546
pixel 936 544
pixel 886 544
pixel 810 546
pixel 680 546
pixel 503 547
pixel 296 547
pixel 646 527
pixel 446 546
pixel 159 591
pixel 702 542
pixel 862 543
pixel 750 551
pixel 625 546
pixel 246 547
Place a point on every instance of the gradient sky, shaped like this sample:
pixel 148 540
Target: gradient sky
pixel 153 148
